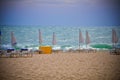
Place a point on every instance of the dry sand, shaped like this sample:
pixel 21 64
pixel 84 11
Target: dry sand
pixel 62 66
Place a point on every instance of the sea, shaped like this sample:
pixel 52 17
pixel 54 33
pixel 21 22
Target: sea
pixel 67 37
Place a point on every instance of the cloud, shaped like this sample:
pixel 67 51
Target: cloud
pixel 57 3
pixel 49 2
pixel 61 2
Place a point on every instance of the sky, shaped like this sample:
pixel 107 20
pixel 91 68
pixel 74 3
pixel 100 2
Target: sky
pixel 60 12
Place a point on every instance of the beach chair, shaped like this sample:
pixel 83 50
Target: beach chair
pixel 30 53
pixel 1 53
pixel 26 52
pixel 40 51
pixel 15 53
pixel 115 51
pixel 23 52
pixel 9 52
pixel 91 50
pixel 79 50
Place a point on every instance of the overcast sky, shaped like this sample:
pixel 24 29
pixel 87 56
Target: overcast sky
pixel 60 12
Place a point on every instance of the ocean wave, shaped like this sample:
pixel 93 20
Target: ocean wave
pixel 102 46
pixel 60 47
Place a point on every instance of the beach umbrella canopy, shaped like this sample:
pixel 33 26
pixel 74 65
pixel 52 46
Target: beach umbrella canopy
pixel 81 40
pixel 114 36
pixel 40 37
pixel 54 39
pixel 0 36
pixel 0 39
pixel 87 38
pixel 13 39
pixel 0 32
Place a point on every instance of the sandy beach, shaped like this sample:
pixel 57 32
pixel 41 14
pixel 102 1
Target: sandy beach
pixel 62 66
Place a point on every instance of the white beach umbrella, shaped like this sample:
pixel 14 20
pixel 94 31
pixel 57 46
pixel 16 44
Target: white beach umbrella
pixel 54 39
pixel 13 39
pixel 0 36
pixel 0 39
pixel 87 39
pixel 40 37
pixel 114 37
pixel 81 39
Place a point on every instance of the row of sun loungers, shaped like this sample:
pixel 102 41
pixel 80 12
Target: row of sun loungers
pixel 115 51
pixel 86 50
pixel 76 51
pixel 29 53
pixel 16 53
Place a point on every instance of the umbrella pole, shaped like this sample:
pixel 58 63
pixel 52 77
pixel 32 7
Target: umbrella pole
pixel 113 45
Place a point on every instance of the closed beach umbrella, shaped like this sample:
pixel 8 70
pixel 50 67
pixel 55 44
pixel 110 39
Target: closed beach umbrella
pixel 0 36
pixel 0 39
pixel 54 39
pixel 81 40
pixel 114 37
pixel 13 39
pixel 40 37
pixel 87 38
pixel 0 33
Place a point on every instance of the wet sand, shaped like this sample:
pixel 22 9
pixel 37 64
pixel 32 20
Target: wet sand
pixel 62 66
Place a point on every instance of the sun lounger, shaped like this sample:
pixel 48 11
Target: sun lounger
pixel 15 53
pixel 1 53
pixel 9 52
pixel 115 51
pixel 26 52
pixel 4 53
pixel 91 50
